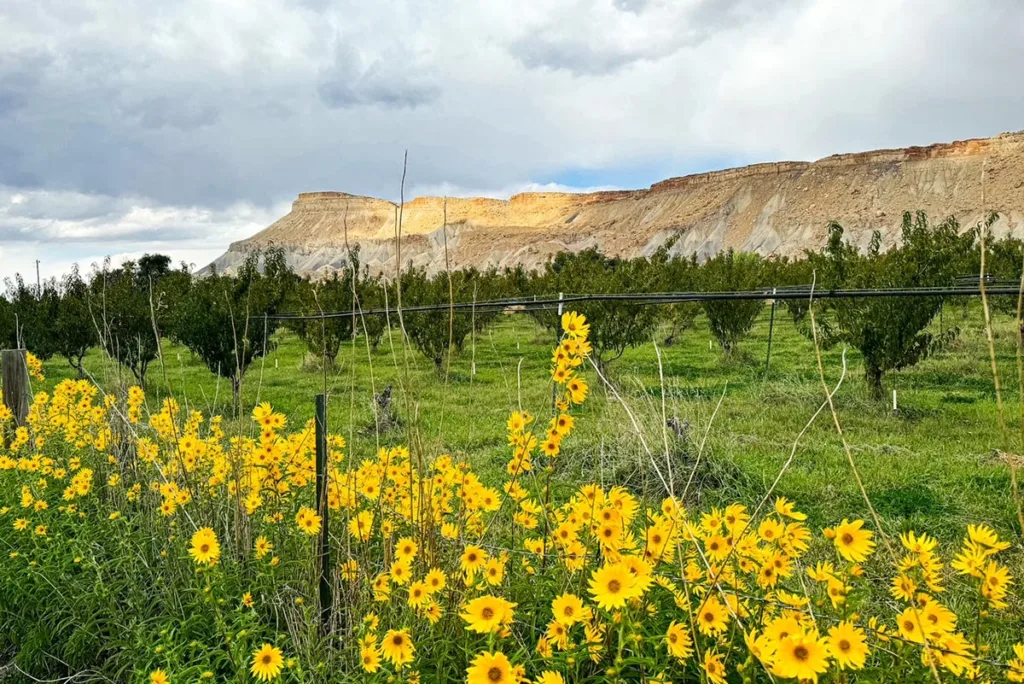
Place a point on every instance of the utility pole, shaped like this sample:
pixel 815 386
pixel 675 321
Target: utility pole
pixel 39 282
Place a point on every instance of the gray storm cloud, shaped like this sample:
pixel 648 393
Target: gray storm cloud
pixel 127 121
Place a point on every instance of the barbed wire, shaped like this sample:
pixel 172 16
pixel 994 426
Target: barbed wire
pixel 550 302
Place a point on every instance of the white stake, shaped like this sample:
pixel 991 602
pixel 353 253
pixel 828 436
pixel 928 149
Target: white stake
pixel 894 400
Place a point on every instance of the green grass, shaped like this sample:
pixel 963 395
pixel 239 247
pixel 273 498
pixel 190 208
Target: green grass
pixel 929 465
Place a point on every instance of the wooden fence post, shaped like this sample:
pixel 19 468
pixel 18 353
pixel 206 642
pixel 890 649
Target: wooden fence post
pixel 15 378
pixel 323 547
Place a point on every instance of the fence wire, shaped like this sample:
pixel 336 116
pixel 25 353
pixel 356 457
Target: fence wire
pixel 549 302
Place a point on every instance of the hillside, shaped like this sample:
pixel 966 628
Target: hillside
pixel 778 208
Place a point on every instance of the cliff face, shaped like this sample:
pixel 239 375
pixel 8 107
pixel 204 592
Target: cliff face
pixel 778 208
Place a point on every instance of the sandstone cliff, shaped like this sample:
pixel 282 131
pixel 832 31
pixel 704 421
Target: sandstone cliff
pixel 775 208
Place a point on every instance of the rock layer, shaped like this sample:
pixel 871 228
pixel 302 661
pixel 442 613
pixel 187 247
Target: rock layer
pixel 780 208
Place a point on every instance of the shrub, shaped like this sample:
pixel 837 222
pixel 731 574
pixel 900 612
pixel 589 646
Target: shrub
pixel 618 324
pixel 438 333
pixel 730 320
pixel 224 320
pixel 74 328
pixel 131 307
pixel 891 333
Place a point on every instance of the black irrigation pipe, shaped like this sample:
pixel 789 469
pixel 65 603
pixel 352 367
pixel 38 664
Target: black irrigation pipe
pixel 786 293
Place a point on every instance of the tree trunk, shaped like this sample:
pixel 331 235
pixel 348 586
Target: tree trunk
pixel 77 365
pixel 140 374
pixel 873 375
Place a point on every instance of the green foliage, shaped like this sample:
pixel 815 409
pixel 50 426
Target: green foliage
pixel 29 317
pixel 615 325
pixel 1004 261
pixel 728 320
pixel 130 307
pixel 891 332
pixel 436 334
pixel 223 319
pixel 677 274
pixel 74 330
pixel 125 310
pixel 338 293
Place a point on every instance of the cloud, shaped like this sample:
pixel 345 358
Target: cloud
pixel 598 38
pixel 389 80
pixel 210 115
pixel 61 228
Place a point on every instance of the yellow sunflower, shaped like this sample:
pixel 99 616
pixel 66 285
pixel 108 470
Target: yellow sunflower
pixel 308 521
pixel 205 547
pixel 406 549
pixel 487 613
pixel 903 588
pixel 575 325
pixel 678 641
pixel 910 623
pixel 714 667
pixel 361 525
pixel 713 617
pixel 397 647
pixel 266 663
pixel 985 536
pixel 612 585
pixel 159 677
pixel 490 668
pixel 369 653
pixel 801 656
pixel 263 547
pixel 577 389
pixel 847 644
pixel 473 558
pixel 852 541
pixel 435 580
pixel 418 594
pixel 401 572
pixel 568 609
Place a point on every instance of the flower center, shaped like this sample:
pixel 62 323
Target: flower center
pixel 800 653
pixel 614 586
pixel 495 674
pixel 847 539
pixel 487 613
pixel 844 645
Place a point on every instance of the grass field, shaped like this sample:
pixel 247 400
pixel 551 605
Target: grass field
pixel 204 544
pixel 929 465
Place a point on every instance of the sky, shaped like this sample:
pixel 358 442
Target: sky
pixel 134 126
